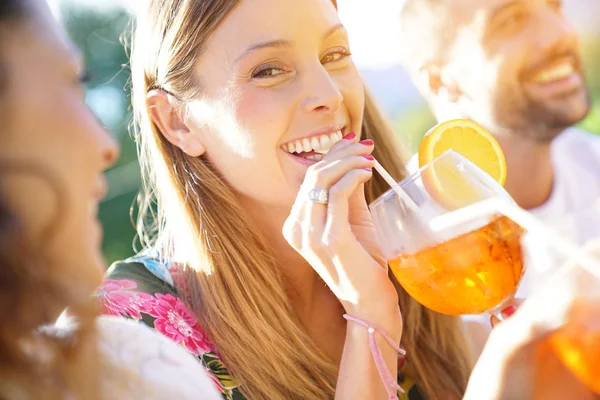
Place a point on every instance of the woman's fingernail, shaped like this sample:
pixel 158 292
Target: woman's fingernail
pixel 349 136
pixel 508 311
pixel 368 169
pixel 369 157
pixel 367 142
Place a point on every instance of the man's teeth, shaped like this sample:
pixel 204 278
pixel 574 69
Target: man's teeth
pixel 317 143
pixel 558 72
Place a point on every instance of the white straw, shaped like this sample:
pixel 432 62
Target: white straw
pixel 390 181
pixel 394 185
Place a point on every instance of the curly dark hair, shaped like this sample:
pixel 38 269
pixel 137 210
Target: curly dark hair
pixel 35 364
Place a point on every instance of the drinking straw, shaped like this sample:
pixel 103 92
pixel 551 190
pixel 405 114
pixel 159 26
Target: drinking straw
pixel 394 185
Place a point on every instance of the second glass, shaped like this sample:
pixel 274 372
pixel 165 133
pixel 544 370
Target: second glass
pixel 451 265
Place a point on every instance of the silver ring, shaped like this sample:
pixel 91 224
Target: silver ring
pixel 317 195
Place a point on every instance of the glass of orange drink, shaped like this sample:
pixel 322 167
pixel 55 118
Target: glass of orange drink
pixel 474 264
pixel 451 237
pixel 471 266
pixel 577 342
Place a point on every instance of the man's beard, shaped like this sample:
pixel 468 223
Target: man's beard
pixel 541 121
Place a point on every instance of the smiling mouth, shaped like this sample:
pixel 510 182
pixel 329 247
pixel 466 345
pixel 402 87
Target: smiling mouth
pixel 555 72
pixel 313 148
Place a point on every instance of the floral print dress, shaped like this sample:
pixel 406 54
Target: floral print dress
pixel 143 289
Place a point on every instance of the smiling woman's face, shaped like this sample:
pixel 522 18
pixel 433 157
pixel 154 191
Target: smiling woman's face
pixel 53 149
pixel 276 78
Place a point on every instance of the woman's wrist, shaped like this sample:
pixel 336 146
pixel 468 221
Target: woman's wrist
pixel 386 317
pixel 383 340
pixel 376 304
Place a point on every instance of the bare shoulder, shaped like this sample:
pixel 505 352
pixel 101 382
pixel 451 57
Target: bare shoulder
pixel 138 363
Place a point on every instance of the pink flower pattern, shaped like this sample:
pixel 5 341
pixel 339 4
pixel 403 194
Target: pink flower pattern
pixel 118 299
pixel 155 296
pixel 176 322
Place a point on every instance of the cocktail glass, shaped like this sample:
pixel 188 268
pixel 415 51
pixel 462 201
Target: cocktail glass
pixel 451 265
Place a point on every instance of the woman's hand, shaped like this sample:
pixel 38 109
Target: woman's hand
pixel 338 239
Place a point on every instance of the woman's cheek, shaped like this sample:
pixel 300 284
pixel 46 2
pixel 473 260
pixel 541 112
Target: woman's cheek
pixel 266 112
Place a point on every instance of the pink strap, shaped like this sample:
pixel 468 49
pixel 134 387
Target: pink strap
pixel 390 383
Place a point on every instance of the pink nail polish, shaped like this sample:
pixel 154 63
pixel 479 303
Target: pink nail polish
pixel 367 142
pixel 369 157
pixel 349 136
pixel 368 169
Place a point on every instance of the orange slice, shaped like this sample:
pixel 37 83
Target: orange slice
pixel 468 139
pixel 444 183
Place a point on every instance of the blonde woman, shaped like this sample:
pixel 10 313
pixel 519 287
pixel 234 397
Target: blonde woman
pixel 231 98
pixel 53 153
pixel 260 254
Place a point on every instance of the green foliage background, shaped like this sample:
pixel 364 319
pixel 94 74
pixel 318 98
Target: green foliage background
pixel 98 35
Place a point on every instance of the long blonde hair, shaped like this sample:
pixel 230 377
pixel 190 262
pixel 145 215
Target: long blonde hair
pixel 235 286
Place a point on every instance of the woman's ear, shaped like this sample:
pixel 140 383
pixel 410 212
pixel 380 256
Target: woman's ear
pixel 167 115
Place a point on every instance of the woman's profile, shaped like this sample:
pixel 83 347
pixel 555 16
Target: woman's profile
pixel 53 152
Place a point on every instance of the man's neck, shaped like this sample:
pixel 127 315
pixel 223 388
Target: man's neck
pixel 530 174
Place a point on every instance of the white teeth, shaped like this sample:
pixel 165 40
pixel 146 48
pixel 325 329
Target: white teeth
pixel 321 144
pixel 325 143
pixel 315 157
pixel 558 72
pixel 306 146
pixel 315 143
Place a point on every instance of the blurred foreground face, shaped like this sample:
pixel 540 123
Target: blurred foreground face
pixel 517 66
pixel 54 148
